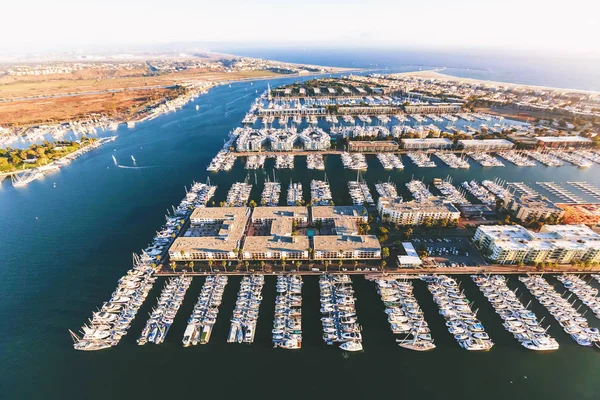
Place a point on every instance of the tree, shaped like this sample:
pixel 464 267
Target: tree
pixel 355 263
pixel 173 265
pixel 210 265
pixel 224 265
pixel 252 204
pixel 298 264
pixel 246 264
pixel 191 264
pixel 385 252
pixel 408 233
pixel 262 266
pixel 383 264
pixel 326 263
pixel 340 263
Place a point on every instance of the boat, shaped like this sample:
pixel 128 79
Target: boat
pixel 351 346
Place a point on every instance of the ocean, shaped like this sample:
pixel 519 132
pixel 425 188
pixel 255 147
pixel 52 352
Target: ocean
pixel 562 72
pixel 69 237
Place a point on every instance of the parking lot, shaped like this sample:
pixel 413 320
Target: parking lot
pixel 449 252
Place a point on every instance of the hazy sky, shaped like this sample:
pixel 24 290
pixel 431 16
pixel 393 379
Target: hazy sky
pixel 549 25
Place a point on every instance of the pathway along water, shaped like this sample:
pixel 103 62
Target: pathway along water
pixel 65 246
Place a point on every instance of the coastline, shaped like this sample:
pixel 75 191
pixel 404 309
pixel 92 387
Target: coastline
pixel 438 74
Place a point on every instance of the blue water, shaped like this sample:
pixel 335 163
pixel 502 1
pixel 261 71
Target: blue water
pixel 65 246
pixel 555 71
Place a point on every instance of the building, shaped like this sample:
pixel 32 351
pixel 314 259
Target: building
pixel 281 139
pixel 534 207
pixel 378 146
pixel 281 242
pixel 396 211
pixel 425 144
pixel 486 144
pixel 315 139
pixel 563 244
pixel 411 259
pixel 563 141
pixel 215 233
pixel 437 108
pixel 344 240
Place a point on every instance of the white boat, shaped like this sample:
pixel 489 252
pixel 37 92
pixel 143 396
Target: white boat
pixel 351 346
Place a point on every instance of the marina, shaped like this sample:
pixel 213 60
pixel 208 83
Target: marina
pixel 239 194
pixel 559 191
pixel 320 193
pixel 245 314
pixel 390 161
pixel 386 189
pixel 284 161
pixel 256 161
pixel 587 188
pixel 223 161
pixel 517 158
pixel 485 159
pixel 452 160
pixel 315 161
pixel 287 324
pixel 461 321
pixel 359 191
pixel 338 313
pixel 480 192
pixel 418 190
pixel 587 294
pixel 546 158
pixel 573 158
pixel 572 322
pixel 294 194
pixel 421 159
pixel 204 315
pixel 354 161
pixel 518 319
pixel 450 193
pixel 404 314
pixel 270 194
pixel 161 317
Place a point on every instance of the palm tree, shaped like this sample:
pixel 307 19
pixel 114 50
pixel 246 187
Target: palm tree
pixel 283 263
pixel 340 263
pixel 355 264
pixel 224 265
pixel 383 264
pixel 326 264
pixel 298 264
pixel 262 266
pixel 246 264
pixel 192 265
pixel 173 265
pixel 210 265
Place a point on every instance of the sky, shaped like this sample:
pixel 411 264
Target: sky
pixel 548 26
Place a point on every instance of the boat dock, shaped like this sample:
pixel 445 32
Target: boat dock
pixel 452 160
pixel 270 194
pixel 497 189
pixel 461 321
pixel 418 190
pixel 573 158
pixel 294 194
pixel 320 193
pixel 355 161
pixel 520 160
pixel 284 161
pixel 287 325
pixel 572 322
pixel 420 159
pixel 315 161
pixel 359 191
pixel 522 188
pixel 245 314
pixel 204 316
pixel 545 158
pixel 450 193
pixel 485 159
pixel 587 188
pixel 162 315
pixel 404 314
pixel 256 161
pixel 558 191
pixel 480 192
pixel 238 194
pixel 223 161
pixel 518 319
pixel 338 312
pixel 390 161
pixel 386 189
pixel 587 294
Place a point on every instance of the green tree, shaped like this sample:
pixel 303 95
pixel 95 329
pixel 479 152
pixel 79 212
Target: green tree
pixel 385 252
pixel 252 204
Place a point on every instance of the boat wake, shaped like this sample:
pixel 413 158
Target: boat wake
pixel 130 167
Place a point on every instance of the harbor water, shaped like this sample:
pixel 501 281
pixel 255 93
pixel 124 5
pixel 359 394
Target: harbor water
pixel 67 238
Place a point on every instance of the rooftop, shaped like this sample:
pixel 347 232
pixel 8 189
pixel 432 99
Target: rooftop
pixel 336 212
pixel 563 139
pixel 351 243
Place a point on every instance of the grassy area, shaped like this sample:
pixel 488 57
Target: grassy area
pixel 38 154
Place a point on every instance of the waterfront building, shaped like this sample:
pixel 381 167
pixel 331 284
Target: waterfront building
pixel 343 240
pixel 411 259
pixel 437 108
pixel 396 211
pixel 375 146
pixel 563 141
pixel 534 207
pixel 563 244
pixel 315 139
pixel 214 234
pixel 486 144
pixel 424 144
pixel 281 139
pixel 273 235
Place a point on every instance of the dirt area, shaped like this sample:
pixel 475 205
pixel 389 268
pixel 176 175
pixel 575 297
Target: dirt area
pixel 21 113
pixel 57 98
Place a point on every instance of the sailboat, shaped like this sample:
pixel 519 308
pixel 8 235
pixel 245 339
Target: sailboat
pixel 133 158
pixel 197 107
pixel 114 159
